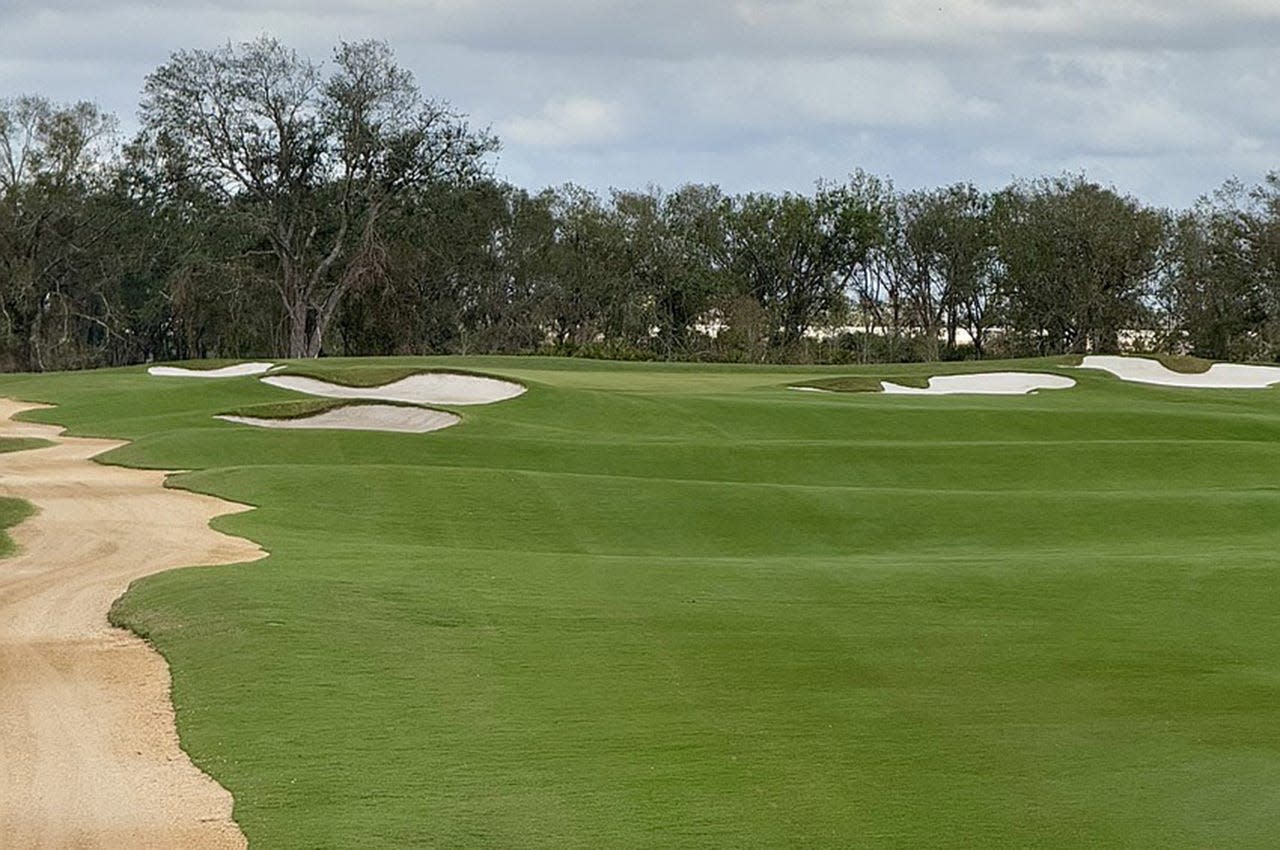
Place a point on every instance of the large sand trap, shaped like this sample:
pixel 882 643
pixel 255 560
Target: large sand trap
pixel 235 371
pixel 1144 370
pixel 361 417
pixel 423 388
pixel 985 383
pixel 89 756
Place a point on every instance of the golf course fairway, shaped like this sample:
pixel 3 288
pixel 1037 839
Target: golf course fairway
pixel 667 605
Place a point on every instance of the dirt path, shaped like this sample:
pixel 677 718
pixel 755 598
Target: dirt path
pixel 89 756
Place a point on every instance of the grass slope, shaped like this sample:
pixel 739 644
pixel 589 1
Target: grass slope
pixel 677 605
pixel 12 512
pixel 22 444
pixel 305 407
pixel 371 372
pixel 1183 363
pixel 861 383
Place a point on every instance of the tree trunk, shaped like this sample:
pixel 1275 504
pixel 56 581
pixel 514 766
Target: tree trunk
pixel 315 339
pixel 298 341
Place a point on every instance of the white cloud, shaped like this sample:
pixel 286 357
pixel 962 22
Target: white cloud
pixel 1164 97
pixel 566 123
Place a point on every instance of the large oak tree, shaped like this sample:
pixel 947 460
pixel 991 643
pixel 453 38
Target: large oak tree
pixel 311 158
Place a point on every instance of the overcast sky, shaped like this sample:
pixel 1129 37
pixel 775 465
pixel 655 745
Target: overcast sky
pixel 1163 98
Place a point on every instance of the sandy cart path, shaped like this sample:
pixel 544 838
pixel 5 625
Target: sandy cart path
pixel 89 755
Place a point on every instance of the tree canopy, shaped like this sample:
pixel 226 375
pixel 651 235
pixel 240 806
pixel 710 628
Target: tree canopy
pixel 272 205
pixel 311 163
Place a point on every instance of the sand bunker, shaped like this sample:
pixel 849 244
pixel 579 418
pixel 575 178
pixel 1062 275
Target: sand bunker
pixel 424 388
pixel 360 417
pixel 235 371
pixel 1144 370
pixel 987 383
pixel 89 753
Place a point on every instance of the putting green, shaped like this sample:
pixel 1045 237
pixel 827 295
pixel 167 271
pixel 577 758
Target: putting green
pixel 675 605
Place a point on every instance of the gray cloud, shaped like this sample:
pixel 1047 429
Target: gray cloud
pixel 1164 98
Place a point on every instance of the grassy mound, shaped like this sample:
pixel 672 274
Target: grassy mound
pixel 302 408
pixel 367 376
pixel 1185 364
pixel 1182 363
pixel 207 365
pixel 861 383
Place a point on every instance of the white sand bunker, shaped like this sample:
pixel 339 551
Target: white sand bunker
pixel 424 388
pixel 360 417
pixel 1144 370
pixel 985 383
pixel 235 371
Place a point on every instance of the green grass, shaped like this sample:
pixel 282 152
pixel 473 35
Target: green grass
pixel 1182 363
pixel 12 512
pixel 207 364
pixel 306 407
pixel 370 374
pixel 287 409
pixel 862 383
pixel 22 444
pixel 649 605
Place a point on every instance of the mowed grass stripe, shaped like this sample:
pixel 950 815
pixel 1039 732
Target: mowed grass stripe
pixel 1112 465
pixel 553 514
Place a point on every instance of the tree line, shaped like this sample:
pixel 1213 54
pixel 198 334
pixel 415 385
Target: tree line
pixel 270 205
